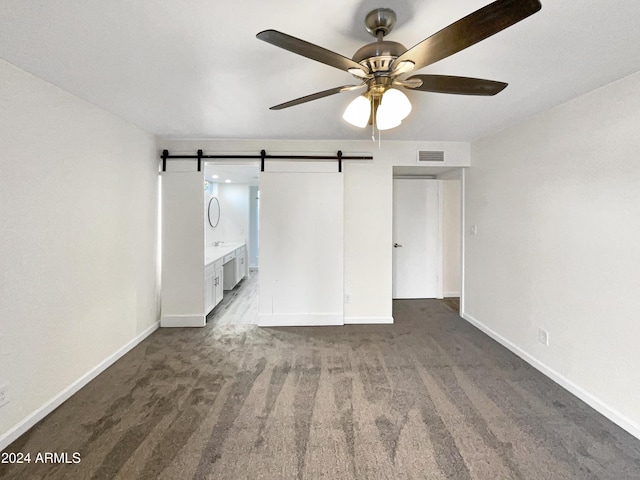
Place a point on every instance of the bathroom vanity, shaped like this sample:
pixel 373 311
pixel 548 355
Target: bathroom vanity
pixel 224 266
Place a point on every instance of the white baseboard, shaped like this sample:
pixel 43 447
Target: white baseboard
pixel 22 427
pixel 616 417
pixel 367 320
pixel 183 321
pixel 300 319
pixel 451 294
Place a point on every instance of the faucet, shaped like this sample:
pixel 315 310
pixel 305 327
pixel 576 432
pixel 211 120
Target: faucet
pixel 217 244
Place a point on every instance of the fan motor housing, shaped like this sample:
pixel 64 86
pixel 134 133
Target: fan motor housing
pixel 377 56
pixel 378 49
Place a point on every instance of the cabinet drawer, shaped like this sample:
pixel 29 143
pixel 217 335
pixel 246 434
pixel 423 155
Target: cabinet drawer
pixel 239 251
pixel 229 257
pixel 218 264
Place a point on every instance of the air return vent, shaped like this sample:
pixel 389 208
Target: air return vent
pixel 430 156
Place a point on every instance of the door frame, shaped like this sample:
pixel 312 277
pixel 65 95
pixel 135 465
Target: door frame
pixel 439 261
pixel 460 174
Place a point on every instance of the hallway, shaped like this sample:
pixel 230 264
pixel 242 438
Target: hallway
pixel 238 306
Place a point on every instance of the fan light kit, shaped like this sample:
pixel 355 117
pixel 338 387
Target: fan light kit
pixel 382 66
pixel 393 108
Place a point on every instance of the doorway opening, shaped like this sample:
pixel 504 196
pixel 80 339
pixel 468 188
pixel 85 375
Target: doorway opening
pixel 232 243
pixel 427 233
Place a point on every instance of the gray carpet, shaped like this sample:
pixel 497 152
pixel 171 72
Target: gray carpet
pixel 427 398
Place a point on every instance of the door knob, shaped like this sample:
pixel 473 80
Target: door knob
pixel 396 245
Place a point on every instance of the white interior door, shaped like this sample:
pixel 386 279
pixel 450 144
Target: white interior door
pixel 301 249
pixel 417 251
pixel 183 295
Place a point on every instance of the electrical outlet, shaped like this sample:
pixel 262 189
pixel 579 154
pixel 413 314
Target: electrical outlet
pixel 543 336
pixel 474 230
pixel 4 394
pixel 347 298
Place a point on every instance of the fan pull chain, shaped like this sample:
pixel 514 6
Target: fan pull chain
pixel 373 124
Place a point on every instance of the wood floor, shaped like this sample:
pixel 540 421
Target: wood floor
pixel 238 306
pixel 452 302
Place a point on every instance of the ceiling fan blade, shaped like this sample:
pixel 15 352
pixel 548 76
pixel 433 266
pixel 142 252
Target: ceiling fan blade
pixel 314 52
pixel 469 30
pixel 456 85
pixel 316 96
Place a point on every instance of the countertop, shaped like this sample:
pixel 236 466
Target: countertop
pixel 211 254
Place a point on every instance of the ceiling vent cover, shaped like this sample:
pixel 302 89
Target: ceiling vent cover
pixel 430 156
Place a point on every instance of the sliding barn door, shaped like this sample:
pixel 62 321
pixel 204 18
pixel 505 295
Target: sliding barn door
pixel 301 248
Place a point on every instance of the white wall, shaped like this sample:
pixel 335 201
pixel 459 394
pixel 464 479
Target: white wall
pixel 211 234
pixel 78 268
pixel 233 226
pixel 234 213
pixel 557 203
pixel 368 206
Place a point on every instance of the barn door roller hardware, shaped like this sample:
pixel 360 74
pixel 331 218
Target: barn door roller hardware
pixel 262 156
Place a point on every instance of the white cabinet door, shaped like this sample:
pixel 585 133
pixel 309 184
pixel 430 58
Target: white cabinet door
pixel 209 294
pixel 218 290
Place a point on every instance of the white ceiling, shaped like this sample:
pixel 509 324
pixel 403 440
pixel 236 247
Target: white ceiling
pixel 194 68
pixel 236 174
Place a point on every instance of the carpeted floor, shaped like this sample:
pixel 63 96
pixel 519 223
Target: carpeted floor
pixel 427 398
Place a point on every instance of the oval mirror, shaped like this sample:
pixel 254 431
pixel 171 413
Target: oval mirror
pixel 214 212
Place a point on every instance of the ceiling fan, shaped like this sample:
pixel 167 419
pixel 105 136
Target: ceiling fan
pixel 382 65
